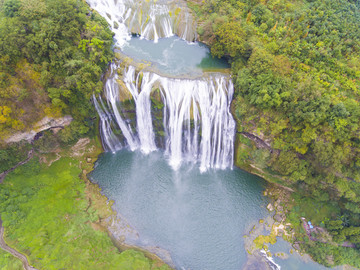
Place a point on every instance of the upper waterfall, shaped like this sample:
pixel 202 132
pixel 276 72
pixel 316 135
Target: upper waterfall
pixel 191 117
pixel 150 19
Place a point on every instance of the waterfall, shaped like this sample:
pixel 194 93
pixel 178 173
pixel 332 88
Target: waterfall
pixel 197 125
pixel 143 107
pixel 150 19
pixel 206 102
pixel 110 141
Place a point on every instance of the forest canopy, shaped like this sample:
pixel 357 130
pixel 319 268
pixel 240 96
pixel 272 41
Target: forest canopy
pixel 296 70
pixel 53 54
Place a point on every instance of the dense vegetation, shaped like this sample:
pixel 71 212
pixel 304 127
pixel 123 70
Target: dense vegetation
pixel 13 154
pixel 296 68
pixel 53 54
pixel 48 217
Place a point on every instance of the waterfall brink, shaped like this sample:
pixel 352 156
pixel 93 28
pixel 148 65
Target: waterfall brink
pixel 150 19
pixel 195 120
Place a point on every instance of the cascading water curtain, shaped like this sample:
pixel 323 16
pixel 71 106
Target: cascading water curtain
pixel 197 122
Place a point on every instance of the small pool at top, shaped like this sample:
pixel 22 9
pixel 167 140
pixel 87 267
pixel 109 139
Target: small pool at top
pixel 174 56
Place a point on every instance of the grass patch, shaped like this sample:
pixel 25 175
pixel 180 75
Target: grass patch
pixel 9 262
pixel 46 216
pixel 314 210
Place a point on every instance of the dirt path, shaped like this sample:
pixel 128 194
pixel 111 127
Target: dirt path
pixel 12 251
pixel 3 174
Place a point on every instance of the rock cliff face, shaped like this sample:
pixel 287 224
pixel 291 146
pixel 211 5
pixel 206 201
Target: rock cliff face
pixel 44 124
pixel 252 152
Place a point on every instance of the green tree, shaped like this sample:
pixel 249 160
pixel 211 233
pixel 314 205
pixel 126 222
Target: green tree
pixel 231 40
pixel 11 7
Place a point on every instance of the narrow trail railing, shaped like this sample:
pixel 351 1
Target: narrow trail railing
pixel 3 174
pixel 12 251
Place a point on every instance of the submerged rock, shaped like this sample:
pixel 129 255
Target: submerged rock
pixel 270 207
pixel 257 261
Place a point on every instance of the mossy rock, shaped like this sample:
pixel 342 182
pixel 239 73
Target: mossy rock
pixel 156 101
pixel 124 93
